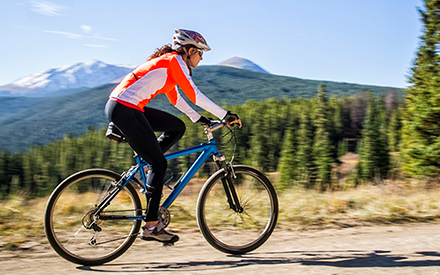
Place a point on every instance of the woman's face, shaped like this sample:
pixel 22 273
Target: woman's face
pixel 195 56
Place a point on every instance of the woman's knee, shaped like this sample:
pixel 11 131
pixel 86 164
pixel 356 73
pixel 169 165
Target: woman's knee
pixel 160 164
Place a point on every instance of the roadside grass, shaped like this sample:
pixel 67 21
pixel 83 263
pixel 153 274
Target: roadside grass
pixel 390 202
pixel 21 219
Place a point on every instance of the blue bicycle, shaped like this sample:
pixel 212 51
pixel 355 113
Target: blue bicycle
pixel 94 216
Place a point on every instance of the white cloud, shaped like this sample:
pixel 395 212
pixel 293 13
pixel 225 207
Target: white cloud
pixel 86 29
pixel 68 34
pixel 96 46
pixel 47 8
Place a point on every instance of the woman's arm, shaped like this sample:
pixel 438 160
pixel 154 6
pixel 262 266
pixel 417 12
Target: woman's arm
pixel 179 71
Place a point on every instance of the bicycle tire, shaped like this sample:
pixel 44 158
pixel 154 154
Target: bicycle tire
pixel 71 205
pixel 232 232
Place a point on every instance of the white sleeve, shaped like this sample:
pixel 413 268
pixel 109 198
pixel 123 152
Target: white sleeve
pixel 205 103
pixel 183 106
pixel 181 74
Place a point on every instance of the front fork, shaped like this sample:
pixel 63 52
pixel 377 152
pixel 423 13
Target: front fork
pixel 231 194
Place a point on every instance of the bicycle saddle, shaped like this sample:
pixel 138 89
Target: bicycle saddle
pixel 114 133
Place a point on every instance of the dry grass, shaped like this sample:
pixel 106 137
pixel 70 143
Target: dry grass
pixel 22 219
pixel 386 203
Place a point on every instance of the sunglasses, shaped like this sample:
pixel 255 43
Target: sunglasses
pixel 200 52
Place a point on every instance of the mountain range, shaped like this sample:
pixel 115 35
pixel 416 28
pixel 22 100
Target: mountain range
pixel 85 75
pixel 31 120
pixel 68 79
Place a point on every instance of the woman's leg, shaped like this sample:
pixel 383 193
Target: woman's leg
pixel 172 127
pixel 141 137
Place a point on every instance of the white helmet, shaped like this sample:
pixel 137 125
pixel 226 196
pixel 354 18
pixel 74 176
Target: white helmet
pixel 186 37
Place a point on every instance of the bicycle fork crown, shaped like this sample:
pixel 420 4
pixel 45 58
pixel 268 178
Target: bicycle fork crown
pixel 219 157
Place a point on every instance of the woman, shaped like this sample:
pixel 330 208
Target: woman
pixel 127 109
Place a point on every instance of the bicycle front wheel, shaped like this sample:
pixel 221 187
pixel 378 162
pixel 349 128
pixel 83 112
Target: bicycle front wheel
pixel 75 230
pixel 237 232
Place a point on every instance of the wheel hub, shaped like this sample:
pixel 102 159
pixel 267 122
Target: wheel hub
pixel 90 221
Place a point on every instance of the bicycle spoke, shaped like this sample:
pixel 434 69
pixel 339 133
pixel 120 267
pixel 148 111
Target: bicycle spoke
pixel 117 239
pixel 76 230
pixel 237 232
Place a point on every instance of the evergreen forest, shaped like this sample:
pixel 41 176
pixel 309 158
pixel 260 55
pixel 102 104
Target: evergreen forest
pixel 302 139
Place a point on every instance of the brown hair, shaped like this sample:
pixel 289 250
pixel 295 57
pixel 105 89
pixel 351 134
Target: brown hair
pixel 168 49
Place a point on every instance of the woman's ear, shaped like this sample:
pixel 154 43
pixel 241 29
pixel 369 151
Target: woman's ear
pixel 190 53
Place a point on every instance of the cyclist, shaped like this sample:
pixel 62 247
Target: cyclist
pixel 165 69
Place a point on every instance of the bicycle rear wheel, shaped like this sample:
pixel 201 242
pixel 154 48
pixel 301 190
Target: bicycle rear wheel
pixel 237 232
pixel 71 209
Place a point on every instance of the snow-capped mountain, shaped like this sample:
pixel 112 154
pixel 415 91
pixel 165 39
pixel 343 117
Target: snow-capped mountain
pixel 242 63
pixel 82 75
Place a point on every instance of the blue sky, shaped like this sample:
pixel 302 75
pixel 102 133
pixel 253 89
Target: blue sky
pixel 355 41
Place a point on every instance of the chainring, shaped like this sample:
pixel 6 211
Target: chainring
pixel 164 216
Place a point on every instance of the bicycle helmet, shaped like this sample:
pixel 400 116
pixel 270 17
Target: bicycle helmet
pixel 186 37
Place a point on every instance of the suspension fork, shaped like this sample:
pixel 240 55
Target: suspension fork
pixel 231 194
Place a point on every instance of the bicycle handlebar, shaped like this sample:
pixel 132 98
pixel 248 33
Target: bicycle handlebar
pixel 215 125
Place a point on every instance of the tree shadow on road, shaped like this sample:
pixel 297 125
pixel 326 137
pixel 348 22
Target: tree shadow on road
pixel 339 258
pixel 377 259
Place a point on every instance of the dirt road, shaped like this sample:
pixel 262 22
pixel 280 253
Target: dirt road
pixel 393 249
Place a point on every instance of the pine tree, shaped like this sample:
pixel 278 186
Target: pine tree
pixel 383 145
pixel 420 149
pixel 304 156
pixel 259 140
pixel 336 124
pixel 322 147
pixel 394 128
pixel 275 130
pixel 287 164
pixel 373 151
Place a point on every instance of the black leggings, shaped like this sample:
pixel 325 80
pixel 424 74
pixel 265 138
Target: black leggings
pixel 138 128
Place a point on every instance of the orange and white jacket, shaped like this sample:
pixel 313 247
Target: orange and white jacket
pixel 160 76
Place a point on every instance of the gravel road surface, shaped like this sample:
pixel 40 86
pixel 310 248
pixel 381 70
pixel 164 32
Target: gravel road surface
pixel 388 249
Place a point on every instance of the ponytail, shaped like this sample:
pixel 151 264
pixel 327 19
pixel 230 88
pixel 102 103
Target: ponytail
pixel 161 51
pixel 168 49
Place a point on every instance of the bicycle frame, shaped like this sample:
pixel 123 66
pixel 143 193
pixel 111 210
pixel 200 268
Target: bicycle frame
pixel 208 149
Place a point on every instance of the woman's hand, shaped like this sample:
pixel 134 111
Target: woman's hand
pixel 205 121
pixel 232 119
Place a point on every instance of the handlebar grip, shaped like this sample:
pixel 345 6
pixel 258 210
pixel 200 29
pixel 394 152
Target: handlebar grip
pixel 217 125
